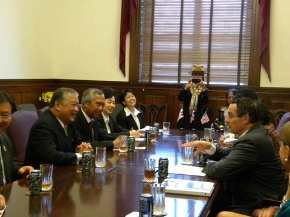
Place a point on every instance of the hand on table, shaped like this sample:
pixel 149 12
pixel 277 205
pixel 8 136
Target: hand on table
pixel 200 145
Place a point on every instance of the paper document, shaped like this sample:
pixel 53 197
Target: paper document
pixel 186 170
pixel 188 187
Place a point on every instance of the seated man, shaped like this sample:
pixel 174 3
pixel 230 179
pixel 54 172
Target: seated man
pixel 248 167
pixel 53 138
pixel 9 170
pixel 93 101
pixel 109 125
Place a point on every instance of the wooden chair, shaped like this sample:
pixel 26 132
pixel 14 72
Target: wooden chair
pixel 154 113
pixel 276 116
pixel 18 131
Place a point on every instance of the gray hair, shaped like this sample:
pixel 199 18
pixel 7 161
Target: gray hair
pixel 60 95
pixel 89 94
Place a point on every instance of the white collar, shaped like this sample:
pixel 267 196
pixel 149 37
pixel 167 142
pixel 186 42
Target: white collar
pixel 106 118
pixel 86 117
pixel 128 112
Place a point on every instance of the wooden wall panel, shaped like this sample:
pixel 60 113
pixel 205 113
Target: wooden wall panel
pixel 28 91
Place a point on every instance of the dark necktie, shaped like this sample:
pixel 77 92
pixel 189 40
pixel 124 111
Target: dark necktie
pixel 91 124
pixel 1 166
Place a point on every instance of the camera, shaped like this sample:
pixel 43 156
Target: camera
pixel 195 80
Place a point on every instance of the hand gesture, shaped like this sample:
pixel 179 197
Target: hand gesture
pixel 200 145
pixel 25 171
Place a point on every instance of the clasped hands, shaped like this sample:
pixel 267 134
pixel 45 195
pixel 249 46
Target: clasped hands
pixel 84 146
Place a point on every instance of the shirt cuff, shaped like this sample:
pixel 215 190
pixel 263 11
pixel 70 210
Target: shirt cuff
pixel 212 149
pixel 79 157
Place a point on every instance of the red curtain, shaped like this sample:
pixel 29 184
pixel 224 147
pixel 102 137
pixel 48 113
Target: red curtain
pixel 128 10
pixel 264 6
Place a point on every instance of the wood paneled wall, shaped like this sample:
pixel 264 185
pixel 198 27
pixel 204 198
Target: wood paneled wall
pixel 29 91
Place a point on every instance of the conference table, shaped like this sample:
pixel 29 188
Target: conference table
pixel 111 191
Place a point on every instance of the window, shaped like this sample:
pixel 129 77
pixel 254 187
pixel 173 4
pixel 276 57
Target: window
pixel 218 34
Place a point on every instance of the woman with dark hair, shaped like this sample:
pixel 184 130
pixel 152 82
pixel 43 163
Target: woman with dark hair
pixel 129 117
pixel 229 99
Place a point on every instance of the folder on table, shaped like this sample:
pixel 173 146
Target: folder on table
pixel 188 187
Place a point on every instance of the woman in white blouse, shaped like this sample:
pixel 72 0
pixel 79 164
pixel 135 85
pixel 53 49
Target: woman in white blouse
pixel 129 117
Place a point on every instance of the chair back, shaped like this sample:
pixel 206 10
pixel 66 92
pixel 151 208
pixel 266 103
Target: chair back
pixel 276 116
pixel 40 111
pixel 154 113
pixel 117 109
pixel 27 107
pixel 285 118
pixel 18 131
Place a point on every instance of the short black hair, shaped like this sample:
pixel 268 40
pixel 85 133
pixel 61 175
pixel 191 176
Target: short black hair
pixel 245 92
pixel 123 95
pixel 108 92
pixel 5 97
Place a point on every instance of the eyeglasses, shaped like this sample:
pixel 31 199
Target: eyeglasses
pixel 5 117
pixel 231 116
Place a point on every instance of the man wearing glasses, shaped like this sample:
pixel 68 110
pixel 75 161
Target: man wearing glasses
pixel 250 170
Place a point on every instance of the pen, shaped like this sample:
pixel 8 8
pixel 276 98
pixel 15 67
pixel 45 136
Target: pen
pixel 109 170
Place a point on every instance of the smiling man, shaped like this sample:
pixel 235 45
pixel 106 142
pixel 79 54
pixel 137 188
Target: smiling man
pixel 53 138
pixel 250 169
pixel 93 101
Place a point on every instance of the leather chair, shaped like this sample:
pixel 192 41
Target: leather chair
pixel 154 112
pixel 40 111
pixel 18 131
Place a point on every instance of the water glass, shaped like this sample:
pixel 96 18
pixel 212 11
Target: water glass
pixel 100 159
pixel 158 192
pixel 187 155
pixel 190 137
pixel 47 175
pixel 208 134
pixel 166 128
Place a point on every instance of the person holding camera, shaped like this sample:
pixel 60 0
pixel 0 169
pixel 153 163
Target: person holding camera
pixel 194 96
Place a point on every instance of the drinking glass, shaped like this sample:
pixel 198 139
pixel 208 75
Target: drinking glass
pixel 187 155
pixel 123 145
pixel 149 170
pixel 100 159
pixel 208 134
pixel 47 174
pixel 158 192
pixel 166 128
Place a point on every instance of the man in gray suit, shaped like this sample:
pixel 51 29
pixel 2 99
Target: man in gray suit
pixel 250 170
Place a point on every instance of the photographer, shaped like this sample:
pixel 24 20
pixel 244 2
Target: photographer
pixel 194 96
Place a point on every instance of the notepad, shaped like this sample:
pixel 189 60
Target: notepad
pixel 188 187
pixel 186 170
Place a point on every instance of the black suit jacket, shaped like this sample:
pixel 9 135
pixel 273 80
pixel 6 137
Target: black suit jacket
pixel 10 167
pixel 115 128
pixel 100 137
pixel 48 143
pixel 251 169
pixel 128 122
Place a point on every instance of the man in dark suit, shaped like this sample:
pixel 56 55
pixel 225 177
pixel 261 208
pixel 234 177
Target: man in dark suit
pixel 109 125
pixel 89 128
pixel 53 138
pixel 9 170
pixel 250 170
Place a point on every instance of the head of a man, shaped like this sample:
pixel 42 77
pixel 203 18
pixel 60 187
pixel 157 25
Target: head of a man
pixel 93 101
pixel 64 104
pixel 243 113
pixel 110 101
pixel 7 107
pixel 127 98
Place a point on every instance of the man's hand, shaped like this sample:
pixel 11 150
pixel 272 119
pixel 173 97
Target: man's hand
pixel 200 145
pixel 117 142
pixel 134 133
pixel 84 146
pixel 2 202
pixel 25 171
pixel 266 212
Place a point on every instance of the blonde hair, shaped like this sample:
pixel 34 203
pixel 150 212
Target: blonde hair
pixel 285 134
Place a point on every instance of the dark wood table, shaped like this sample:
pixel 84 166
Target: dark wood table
pixel 108 192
